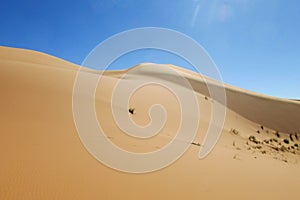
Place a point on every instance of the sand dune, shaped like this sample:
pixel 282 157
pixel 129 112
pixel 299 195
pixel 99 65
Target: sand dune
pixel 42 156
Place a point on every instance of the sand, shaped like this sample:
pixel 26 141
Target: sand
pixel 42 156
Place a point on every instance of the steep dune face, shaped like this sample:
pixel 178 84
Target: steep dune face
pixel 42 156
pixel 275 113
pixel 278 114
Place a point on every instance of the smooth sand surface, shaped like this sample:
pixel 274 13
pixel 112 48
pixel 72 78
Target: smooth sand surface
pixel 42 156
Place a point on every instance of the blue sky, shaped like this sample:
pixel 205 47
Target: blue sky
pixel 255 43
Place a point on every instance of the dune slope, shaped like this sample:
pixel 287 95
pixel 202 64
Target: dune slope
pixel 42 156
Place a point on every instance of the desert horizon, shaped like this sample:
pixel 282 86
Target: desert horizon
pixel 44 157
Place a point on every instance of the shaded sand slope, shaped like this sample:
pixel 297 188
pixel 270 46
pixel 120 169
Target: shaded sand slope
pixel 42 157
pixel 279 114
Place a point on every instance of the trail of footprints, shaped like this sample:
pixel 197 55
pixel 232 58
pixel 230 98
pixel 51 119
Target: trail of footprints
pixel 264 141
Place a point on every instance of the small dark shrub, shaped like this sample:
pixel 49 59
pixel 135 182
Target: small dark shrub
pixel 283 148
pixel 286 141
pixel 253 139
pixel 266 141
pixel 296 136
pixel 233 130
pixel 131 110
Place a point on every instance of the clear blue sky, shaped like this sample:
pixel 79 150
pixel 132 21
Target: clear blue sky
pixel 255 43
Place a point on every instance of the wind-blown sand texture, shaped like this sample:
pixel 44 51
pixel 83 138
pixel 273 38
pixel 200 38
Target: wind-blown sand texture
pixel 42 157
